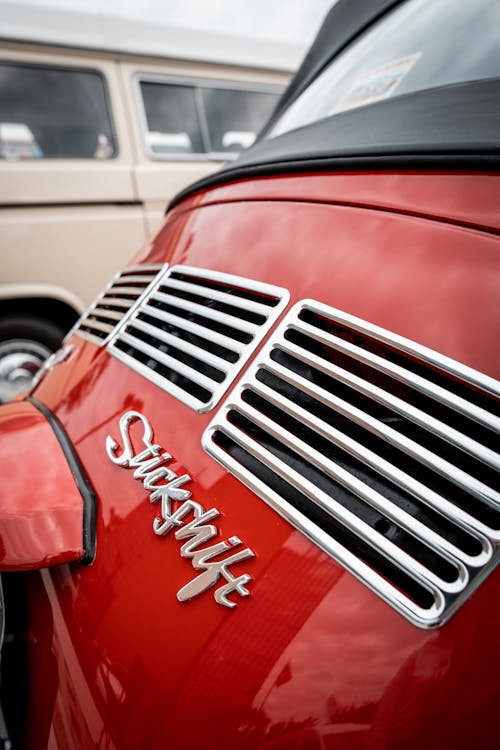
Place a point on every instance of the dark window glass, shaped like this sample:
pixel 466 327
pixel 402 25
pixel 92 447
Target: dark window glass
pixel 53 113
pixel 235 117
pixel 172 120
pixel 421 44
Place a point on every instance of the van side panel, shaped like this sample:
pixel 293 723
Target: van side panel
pixel 39 181
pixel 78 248
pixel 159 179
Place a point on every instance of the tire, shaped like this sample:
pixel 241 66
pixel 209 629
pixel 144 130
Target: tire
pixel 25 343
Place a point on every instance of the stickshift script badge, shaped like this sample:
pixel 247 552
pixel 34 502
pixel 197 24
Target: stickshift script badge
pixel 168 489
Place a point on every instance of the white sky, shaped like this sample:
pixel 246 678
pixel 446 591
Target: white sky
pixel 294 21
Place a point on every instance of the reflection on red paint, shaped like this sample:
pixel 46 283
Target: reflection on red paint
pixel 41 509
pixel 312 660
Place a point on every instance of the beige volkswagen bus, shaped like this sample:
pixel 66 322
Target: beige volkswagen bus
pixel 94 140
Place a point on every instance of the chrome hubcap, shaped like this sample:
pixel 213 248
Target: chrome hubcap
pixel 20 360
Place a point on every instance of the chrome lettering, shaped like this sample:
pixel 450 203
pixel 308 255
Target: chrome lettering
pixel 170 491
pixel 162 527
pixel 163 484
pixel 127 450
pixel 212 571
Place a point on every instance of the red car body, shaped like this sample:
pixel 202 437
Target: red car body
pixel 310 657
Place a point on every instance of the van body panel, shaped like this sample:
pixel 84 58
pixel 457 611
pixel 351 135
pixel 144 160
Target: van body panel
pixel 158 178
pixel 69 182
pixel 77 248
pixel 35 193
pixel 42 291
pixel 44 181
pixel 85 177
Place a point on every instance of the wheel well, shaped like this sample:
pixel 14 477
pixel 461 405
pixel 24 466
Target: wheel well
pixel 46 308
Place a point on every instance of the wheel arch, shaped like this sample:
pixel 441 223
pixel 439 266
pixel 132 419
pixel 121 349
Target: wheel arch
pixel 51 303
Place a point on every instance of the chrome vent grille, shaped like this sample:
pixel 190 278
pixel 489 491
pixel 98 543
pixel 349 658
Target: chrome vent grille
pixel 382 452
pixel 117 299
pixel 195 329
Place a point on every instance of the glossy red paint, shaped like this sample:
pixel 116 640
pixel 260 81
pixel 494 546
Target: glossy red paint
pixel 462 198
pixel 312 659
pixel 432 281
pixel 41 512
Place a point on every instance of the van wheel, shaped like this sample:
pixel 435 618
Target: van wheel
pixel 25 343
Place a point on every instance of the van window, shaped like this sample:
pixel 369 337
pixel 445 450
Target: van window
pixel 53 113
pixel 235 117
pixel 173 125
pixel 201 119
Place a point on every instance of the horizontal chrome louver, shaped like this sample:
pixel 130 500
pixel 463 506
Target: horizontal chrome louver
pixel 193 331
pixel 114 302
pixel 382 452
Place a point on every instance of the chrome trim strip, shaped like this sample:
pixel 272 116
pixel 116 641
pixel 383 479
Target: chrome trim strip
pixel 391 472
pixel 409 446
pixel 234 300
pixel 124 290
pixel 171 362
pixel 218 338
pixel 472 564
pixel 208 312
pixel 135 279
pixel 431 357
pixel 415 381
pixel 340 553
pixel 361 490
pixel 116 302
pixel 158 380
pixel 404 481
pixel 238 351
pixel 97 325
pixel 195 351
pixel 136 303
pixel 110 314
pixel 146 273
pixel 348 519
pixel 88 336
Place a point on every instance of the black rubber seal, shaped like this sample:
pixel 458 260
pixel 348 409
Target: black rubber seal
pixel 82 481
pixel 449 127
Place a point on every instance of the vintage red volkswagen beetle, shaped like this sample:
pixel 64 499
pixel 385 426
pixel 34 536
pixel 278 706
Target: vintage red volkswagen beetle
pixel 255 495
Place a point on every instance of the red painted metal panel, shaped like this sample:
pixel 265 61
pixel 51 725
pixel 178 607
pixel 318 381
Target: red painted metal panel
pixel 41 512
pixel 312 658
pixel 462 198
